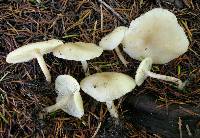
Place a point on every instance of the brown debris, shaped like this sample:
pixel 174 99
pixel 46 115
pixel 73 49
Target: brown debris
pixel 23 91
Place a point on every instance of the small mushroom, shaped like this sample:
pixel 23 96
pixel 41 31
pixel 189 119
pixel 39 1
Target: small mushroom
pixel 69 98
pixel 112 41
pixel 156 35
pixel 143 72
pixel 78 51
pixel 108 86
pixel 34 50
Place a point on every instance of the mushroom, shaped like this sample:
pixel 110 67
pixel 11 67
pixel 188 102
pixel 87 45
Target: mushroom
pixel 78 51
pixel 112 40
pixel 69 98
pixel 34 50
pixel 108 86
pixel 143 72
pixel 156 35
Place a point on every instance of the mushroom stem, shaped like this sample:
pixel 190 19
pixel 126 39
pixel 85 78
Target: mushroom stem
pixel 52 108
pixel 56 106
pixel 85 68
pixel 42 64
pixel 112 109
pixel 121 57
pixel 166 78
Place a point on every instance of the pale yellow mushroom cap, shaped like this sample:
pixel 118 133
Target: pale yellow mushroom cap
pixel 78 51
pixel 155 34
pixel 66 84
pixel 113 39
pixel 26 52
pixel 69 98
pixel 107 86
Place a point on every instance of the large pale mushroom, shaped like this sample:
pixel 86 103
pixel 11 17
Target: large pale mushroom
pixel 78 51
pixel 69 98
pixel 112 40
pixel 34 50
pixel 158 36
pixel 108 86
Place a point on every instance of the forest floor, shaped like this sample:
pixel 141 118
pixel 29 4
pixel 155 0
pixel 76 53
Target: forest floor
pixel 24 91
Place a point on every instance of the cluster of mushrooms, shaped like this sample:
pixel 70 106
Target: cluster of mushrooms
pixel 154 37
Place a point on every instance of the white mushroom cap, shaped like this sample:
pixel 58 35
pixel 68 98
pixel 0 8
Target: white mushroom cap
pixel 78 51
pixel 73 104
pixel 26 52
pixel 107 86
pixel 66 84
pixel 155 34
pixel 69 98
pixel 113 39
pixel 34 50
pixel 144 66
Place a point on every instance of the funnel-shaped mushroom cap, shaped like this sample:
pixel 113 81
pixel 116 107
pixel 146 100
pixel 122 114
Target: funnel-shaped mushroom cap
pixel 74 104
pixel 25 53
pixel 113 39
pixel 144 66
pixel 78 51
pixel 66 84
pixel 107 86
pixel 157 35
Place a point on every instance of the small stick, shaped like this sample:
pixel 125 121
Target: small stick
pixel 179 127
pixel 95 28
pixel 188 130
pixel 113 11
pixel 167 108
pixel 38 1
pixel 95 133
pixel 101 17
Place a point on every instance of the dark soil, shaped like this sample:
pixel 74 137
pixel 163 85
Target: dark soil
pixel 24 92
